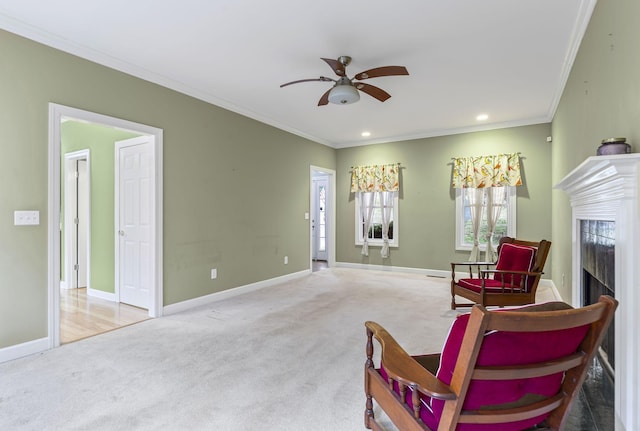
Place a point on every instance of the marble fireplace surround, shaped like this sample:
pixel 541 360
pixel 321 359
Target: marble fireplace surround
pixel 607 188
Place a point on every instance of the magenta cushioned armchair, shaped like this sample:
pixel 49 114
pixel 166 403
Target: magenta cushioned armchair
pixel 511 280
pixel 503 370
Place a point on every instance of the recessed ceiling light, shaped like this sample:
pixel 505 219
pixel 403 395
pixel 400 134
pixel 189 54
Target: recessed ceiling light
pixel 482 117
pixel 366 134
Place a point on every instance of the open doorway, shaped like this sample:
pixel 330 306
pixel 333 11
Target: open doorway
pixel 87 310
pixel 77 216
pixel 84 284
pixel 322 218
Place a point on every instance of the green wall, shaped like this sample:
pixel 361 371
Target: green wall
pixel 601 100
pixel 427 201
pixel 99 140
pixel 235 190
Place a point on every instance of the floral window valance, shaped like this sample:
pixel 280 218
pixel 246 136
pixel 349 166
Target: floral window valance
pixel 486 171
pixel 376 178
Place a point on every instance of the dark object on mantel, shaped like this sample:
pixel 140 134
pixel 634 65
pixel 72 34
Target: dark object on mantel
pixel 613 146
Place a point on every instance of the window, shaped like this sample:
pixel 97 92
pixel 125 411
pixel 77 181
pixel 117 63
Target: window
pixel 506 225
pixel 375 228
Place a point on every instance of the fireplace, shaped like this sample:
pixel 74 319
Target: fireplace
pixel 603 192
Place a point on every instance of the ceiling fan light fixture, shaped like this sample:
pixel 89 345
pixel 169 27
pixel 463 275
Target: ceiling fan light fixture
pixel 344 94
pixel 347 90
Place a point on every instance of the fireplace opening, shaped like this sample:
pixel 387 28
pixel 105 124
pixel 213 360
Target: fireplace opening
pixel 598 276
pixel 597 251
pixel 593 288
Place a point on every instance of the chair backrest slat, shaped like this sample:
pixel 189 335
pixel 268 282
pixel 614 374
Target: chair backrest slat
pixel 511 415
pixel 523 320
pixel 530 370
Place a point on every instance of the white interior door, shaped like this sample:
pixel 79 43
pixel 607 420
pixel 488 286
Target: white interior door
pixel 134 213
pixel 319 218
pixel 77 220
pixel 82 214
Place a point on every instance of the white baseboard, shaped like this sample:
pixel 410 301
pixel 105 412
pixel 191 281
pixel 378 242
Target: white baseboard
pixel 95 293
pixel 433 273
pixel 25 349
pixel 218 296
pixel 427 272
pixel 549 283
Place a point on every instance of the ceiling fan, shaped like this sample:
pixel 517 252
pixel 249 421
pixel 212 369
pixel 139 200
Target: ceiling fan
pixel 345 89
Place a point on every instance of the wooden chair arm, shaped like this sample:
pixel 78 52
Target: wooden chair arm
pixel 485 272
pixel 472 263
pixel 403 368
pixel 472 268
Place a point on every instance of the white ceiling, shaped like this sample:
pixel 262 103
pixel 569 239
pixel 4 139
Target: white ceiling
pixel 506 58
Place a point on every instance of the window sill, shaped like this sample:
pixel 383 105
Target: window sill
pixel 379 244
pixel 483 247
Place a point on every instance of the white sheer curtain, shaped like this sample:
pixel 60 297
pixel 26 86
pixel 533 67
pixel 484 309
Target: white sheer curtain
pixel 495 199
pixel 368 180
pixel 475 198
pixel 366 209
pixel 386 202
pixel 481 173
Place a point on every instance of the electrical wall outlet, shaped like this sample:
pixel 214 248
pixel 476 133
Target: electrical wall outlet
pixel 214 273
pixel 286 260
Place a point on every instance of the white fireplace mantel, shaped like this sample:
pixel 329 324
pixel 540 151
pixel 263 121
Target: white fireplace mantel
pixel 606 188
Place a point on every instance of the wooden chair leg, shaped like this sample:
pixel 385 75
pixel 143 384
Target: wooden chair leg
pixel 369 419
pixel 453 298
pixel 368 412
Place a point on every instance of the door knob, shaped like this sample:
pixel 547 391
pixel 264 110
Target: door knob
pixel 121 232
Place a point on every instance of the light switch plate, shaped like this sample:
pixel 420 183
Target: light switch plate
pixel 26 218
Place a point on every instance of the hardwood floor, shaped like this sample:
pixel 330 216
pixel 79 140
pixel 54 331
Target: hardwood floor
pixel 83 316
pixel 317 265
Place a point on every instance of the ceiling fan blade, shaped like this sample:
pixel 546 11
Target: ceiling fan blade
pixel 382 71
pixel 372 91
pixel 322 78
pixel 325 98
pixel 337 67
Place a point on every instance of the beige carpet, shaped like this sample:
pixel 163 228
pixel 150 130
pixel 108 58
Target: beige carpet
pixel 287 357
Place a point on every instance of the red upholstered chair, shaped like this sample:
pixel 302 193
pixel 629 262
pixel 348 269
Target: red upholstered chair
pixel 503 370
pixel 512 281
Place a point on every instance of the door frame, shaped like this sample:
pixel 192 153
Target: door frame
pixel 331 214
pixel 69 226
pixel 57 113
